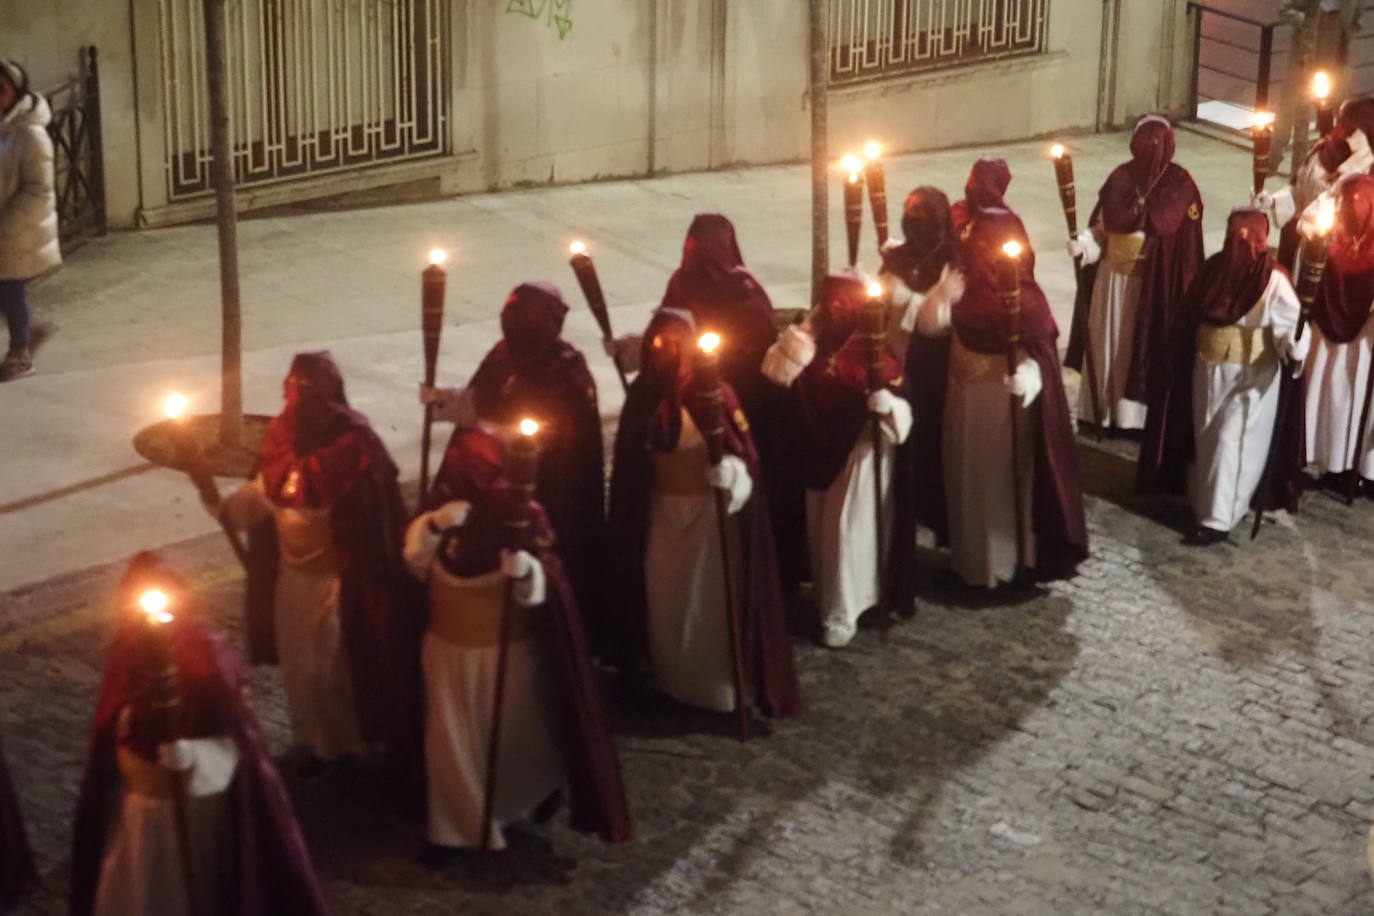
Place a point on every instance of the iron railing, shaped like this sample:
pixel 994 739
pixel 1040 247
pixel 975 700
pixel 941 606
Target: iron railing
pixel 78 164
pixel 874 39
pixel 1233 64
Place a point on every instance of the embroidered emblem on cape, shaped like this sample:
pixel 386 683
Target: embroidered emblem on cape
pixel 292 485
pixel 740 422
pixel 1194 213
pixel 543 542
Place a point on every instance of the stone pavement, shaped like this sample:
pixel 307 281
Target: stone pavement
pixel 1176 732
pixel 138 315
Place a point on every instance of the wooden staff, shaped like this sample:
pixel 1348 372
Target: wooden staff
pixel 1068 197
pixel 874 318
pixel 521 468
pixel 1314 252
pixel 587 278
pixel 1326 114
pixel 875 177
pixel 164 692
pixel 1261 136
pixel 853 206
pixel 192 457
pixel 432 283
pixel 713 431
pixel 1010 277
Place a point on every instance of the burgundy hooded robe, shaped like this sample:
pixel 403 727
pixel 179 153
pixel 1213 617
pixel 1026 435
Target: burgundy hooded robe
pixel 273 873
pixel 649 423
pixel 320 454
pixel 985 189
pixel 472 472
pixel 1154 195
pixel 1057 516
pixel 533 373
pixel 1325 162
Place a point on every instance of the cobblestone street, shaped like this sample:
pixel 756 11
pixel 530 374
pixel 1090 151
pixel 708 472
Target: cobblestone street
pixel 1177 731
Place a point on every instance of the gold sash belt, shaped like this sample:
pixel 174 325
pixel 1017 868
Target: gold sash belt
pixel 1231 344
pixel 307 541
pixel 1124 252
pixel 681 473
pixel 471 617
pixel 143 777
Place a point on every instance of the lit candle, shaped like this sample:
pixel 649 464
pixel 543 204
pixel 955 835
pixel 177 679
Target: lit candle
pixel 1321 89
pixel 853 206
pixel 154 603
pixel 1262 135
pixel 524 459
pixel 433 283
pixel 1009 274
pixel 587 278
pixel 1068 194
pixel 875 176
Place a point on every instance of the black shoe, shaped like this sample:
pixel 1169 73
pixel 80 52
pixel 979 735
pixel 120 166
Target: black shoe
pixel 437 858
pixel 547 809
pixel 1206 537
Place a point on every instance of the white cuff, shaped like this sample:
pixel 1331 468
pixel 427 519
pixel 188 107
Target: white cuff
pixel 531 591
pixel 786 359
pixel 1026 382
pixel 421 544
pixel 732 476
pixel 1092 249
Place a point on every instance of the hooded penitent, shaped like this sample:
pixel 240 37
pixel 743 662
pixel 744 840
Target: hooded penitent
pixel 534 373
pixel 1057 499
pixel 1229 285
pixel 929 241
pixel 273 872
pixel 473 471
pixel 985 189
pixel 319 453
pixel 1153 194
pixel 651 422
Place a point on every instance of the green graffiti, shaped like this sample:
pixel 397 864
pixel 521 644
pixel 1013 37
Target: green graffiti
pixel 557 13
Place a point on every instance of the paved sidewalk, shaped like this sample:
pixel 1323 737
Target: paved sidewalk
pixel 138 316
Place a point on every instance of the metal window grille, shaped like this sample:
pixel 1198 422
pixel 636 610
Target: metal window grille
pixel 873 39
pixel 315 87
pixel 78 169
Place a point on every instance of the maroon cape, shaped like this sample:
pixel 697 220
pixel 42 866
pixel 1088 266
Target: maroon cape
pixel 829 413
pixel 644 428
pixel 17 874
pixel 319 453
pixel 533 373
pixel 499 521
pixel 1057 515
pixel 1156 195
pixel 985 189
pixel 273 867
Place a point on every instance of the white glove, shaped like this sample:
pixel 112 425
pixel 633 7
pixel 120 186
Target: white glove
pixel 732 476
pixel 1262 200
pixel 176 756
pixel 450 515
pixel 517 564
pixel 1299 348
pixel 786 359
pixel 892 244
pixel 882 402
pixel 1025 383
pixel 1084 245
pixel 934 313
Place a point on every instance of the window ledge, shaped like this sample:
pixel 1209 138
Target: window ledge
pixel 957 73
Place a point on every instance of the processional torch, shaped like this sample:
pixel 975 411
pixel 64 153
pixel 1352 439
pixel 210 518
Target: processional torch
pixel 522 465
pixel 1009 281
pixel 712 407
pixel 1313 257
pixel 191 457
pixel 1326 114
pixel 587 278
pixel 159 673
pixel 1262 138
pixel 875 177
pixel 432 284
pixel 874 318
pixel 853 205
pixel 1068 197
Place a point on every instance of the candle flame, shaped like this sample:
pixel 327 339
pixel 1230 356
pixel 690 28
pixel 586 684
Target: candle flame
pixel 438 256
pixel 175 405
pixel 1262 120
pixel 853 177
pixel 1321 85
pixel 851 163
pixel 154 603
pixel 1326 214
pixel 874 289
pixel 1057 151
pixel 1012 249
pixel 708 342
pixel 528 427
pixel 872 150
pixel 578 248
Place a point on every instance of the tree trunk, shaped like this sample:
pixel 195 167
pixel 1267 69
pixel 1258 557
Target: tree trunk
pixel 222 176
pixel 820 159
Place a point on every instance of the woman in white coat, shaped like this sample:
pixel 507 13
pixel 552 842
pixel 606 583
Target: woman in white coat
pixel 28 210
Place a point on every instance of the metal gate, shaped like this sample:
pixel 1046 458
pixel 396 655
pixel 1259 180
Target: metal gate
pixel 315 86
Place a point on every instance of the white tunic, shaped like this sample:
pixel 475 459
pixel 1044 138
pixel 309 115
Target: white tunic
pixel 842 532
pixel 1111 334
pixel 1234 409
pixel 688 626
pixel 460 693
pixel 314 664
pixel 977 461
pixel 142 870
pixel 1312 180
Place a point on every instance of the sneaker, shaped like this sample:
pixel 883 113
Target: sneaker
pixel 17 364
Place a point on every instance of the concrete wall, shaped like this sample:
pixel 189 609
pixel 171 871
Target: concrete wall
pixel 640 86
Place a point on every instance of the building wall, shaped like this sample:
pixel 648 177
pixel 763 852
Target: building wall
pixel 640 86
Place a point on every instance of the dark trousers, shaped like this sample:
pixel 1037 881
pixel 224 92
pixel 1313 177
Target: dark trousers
pixel 15 305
